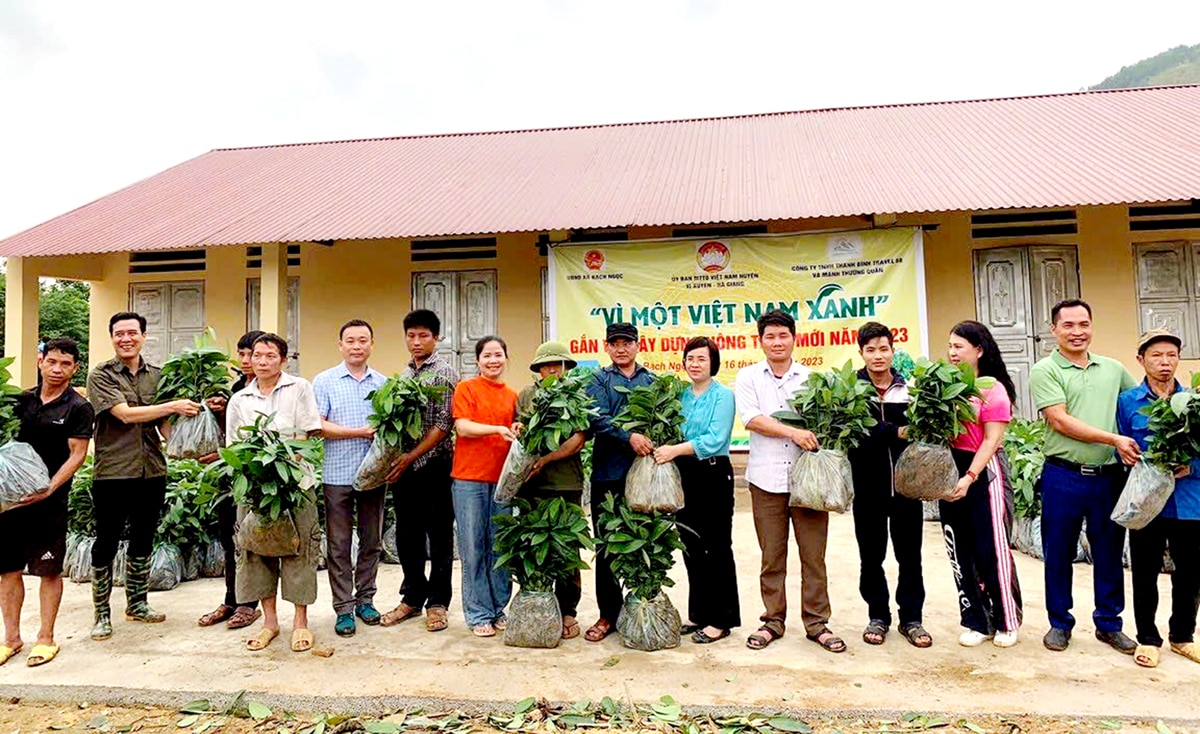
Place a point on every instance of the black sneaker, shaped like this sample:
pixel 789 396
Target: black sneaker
pixel 1118 641
pixel 1057 639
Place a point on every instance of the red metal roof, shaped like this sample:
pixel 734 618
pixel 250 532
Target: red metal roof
pixel 1108 147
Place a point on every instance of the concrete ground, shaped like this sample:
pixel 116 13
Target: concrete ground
pixel 151 661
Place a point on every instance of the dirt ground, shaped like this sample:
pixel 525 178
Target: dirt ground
pixel 144 663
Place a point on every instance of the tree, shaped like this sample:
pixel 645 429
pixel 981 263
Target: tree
pixel 63 310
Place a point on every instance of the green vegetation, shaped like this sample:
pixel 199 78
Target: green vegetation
pixel 834 405
pixel 1179 65
pixel 540 543
pixel 941 400
pixel 640 546
pixel 62 311
pixel 654 410
pixel 1023 444
pixel 560 408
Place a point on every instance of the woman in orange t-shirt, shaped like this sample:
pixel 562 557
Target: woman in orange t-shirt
pixel 484 412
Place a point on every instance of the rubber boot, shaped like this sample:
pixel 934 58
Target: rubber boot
pixel 137 587
pixel 101 591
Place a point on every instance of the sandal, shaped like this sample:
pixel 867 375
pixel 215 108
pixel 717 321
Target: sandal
pixel 435 619
pixel 7 652
pixel 41 654
pixel 598 631
pixel 216 616
pixel 876 632
pixel 1146 656
pixel 399 614
pixel 262 639
pixel 302 640
pixel 1187 649
pixel 916 635
pixel 826 639
pixel 243 617
pixel 761 638
pixel 570 628
pixel 700 637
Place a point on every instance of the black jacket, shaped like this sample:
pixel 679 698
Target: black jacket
pixel 872 462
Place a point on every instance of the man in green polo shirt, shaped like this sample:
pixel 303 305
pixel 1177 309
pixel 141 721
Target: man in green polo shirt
pixel 1076 392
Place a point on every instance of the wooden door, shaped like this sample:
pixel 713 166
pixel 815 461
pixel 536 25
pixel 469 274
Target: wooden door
pixel 174 316
pixel 1053 277
pixel 465 301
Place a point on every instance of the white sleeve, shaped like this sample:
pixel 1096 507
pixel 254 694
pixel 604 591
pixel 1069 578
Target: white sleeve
pixel 746 396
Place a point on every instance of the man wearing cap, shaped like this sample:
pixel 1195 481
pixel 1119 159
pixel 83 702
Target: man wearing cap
pixel 1076 392
pixel 612 454
pixel 557 474
pixel 1177 527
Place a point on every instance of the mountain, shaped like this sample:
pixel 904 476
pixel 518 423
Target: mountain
pixel 1180 65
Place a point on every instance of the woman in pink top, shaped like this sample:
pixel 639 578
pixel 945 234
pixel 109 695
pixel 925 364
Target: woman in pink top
pixel 977 518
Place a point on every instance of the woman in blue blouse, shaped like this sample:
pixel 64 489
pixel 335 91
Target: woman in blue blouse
pixel 707 515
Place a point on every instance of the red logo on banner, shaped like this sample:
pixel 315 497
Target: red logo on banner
pixel 593 259
pixel 712 257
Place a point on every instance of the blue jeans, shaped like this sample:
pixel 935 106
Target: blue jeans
pixel 485 590
pixel 1068 498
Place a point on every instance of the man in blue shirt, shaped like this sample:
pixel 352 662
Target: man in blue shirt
pixel 1177 527
pixel 612 454
pixel 341 394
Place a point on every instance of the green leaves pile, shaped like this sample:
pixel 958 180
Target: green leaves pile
pixel 654 410
pixel 1023 445
pixel 640 546
pixel 1174 431
pixel 540 543
pixel 941 400
pixel 834 405
pixel 199 372
pixel 188 520
pixel 10 425
pixel 560 408
pixel 398 406
pixel 268 474
pixel 903 363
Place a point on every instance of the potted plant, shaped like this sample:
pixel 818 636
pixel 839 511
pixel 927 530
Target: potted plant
pixel 656 412
pixel 560 408
pixel 539 544
pixel 1023 446
pixel 199 372
pixel 641 547
pixel 940 406
pixel 270 476
pixel 836 407
pixel 397 412
pixel 22 471
pixel 1174 442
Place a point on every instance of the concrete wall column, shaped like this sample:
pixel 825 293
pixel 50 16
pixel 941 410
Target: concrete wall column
pixel 273 306
pixel 21 319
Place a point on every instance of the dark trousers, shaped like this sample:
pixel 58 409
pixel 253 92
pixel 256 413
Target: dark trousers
pixel 117 501
pixel 226 524
pixel 706 527
pixel 1068 498
pixel 608 589
pixel 352 580
pixel 1146 547
pixel 977 531
pixel 878 513
pixel 425 531
pixel 568 590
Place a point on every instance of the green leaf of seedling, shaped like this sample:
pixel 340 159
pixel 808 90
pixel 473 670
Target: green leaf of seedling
pixel 258 711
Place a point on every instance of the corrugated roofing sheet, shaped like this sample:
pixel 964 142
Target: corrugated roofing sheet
pixel 1062 150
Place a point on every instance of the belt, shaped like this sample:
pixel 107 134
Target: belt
pixel 1087 470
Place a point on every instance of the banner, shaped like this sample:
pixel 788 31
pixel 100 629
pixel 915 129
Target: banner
pixel 672 290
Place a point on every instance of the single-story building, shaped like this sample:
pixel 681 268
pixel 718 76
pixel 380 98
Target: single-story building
pixel 1019 202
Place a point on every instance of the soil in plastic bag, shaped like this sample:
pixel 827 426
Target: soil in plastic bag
pixel 166 567
pixel 193 559
pixel 821 480
pixel 78 562
pixel 649 625
pixel 653 487
pixel 1146 493
pixel 119 563
pixel 22 473
pixel 195 436
pixel 212 565
pixel 323 552
pixel 512 476
pixel 534 620
pixel 376 465
pixel 278 539
pixel 926 472
pixel 390 555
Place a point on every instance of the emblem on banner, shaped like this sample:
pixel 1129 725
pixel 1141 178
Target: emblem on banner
pixel 712 257
pixel 593 259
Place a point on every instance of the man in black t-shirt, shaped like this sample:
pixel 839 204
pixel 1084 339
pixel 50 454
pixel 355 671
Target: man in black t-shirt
pixel 57 422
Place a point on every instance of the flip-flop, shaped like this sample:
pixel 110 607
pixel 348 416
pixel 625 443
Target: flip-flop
pixel 262 639
pixel 302 640
pixel 41 654
pixel 1146 656
pixel 7 652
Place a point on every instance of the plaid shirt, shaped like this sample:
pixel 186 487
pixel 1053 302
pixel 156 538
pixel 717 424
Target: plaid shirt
pixel 436 371
pixel 342 399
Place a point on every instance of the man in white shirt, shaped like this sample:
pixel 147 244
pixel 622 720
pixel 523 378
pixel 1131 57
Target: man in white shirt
pixel 762 390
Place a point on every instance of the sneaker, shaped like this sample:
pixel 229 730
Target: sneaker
pixel 1005 639
pixel 367 613
pixel 971 638
pixel 345 626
